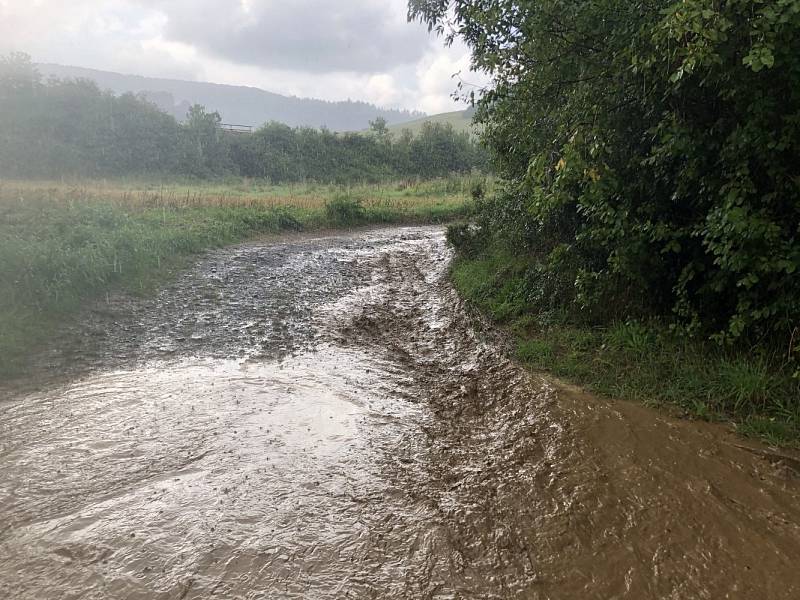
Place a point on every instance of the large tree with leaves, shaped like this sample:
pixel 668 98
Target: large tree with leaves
pixel 651 150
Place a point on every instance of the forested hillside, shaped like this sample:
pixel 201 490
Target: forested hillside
pixel 67 127
pixel 235 104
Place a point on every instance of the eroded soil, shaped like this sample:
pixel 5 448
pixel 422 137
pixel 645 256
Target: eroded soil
pixel 322 418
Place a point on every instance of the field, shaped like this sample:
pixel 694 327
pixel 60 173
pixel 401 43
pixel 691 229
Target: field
pixel 63 243
pixel 460 120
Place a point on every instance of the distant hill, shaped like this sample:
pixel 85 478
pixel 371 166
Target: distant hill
pixel 237 104
pixel 461 120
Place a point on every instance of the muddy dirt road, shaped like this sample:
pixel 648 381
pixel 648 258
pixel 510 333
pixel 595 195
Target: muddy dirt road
pixel 321 418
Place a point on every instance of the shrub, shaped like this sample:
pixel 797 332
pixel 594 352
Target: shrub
pixel 657 143
pixel 465 238
pixel 343 210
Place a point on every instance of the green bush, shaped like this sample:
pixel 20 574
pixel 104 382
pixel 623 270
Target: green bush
pixel 346 211
pixel 656 145
pixel 465 238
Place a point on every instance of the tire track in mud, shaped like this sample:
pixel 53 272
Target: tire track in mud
pixel 323 418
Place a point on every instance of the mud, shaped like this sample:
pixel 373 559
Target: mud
pixel 322 418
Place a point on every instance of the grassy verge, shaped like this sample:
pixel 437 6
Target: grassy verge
pixel 645 362
pixel 62 244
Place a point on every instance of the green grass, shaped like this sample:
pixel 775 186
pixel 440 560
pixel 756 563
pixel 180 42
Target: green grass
pixel 461 120
pixel 62 244
pixel 644 362
pixel 135 192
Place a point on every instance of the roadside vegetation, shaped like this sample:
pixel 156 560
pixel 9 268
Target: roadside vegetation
pixel 63 245
pixel 645 361
pixel 71 128
pixel 646 238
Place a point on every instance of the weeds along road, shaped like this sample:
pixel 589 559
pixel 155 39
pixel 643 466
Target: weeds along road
pixel 322 418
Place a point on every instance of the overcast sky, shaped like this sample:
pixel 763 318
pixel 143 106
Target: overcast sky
pixel 331 49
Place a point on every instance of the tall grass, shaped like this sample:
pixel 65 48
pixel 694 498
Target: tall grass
pixel 62 243
pixel 645 362
pixel 137 193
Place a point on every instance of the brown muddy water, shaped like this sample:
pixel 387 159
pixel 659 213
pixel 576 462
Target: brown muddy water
pixel 322 418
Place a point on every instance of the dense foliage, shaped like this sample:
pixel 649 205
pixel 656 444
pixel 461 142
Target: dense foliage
pixel 70 127
pixel 281 153
pixel 651 154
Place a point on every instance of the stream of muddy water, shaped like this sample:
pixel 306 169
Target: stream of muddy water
pixel 320 417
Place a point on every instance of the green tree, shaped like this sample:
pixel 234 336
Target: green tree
pixel 379 127
pixel 650 151
pixel 205 147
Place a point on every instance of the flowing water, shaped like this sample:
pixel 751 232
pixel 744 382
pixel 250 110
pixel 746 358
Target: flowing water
pixel 322 418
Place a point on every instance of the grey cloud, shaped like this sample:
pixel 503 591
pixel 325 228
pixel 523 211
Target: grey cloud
pixel 314 36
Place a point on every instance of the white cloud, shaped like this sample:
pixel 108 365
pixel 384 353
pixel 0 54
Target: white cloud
pixel 313 36
pixel 439 74
pixel 383 90
pixel 357 49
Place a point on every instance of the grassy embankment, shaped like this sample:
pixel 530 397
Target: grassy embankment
pixel 62 244
pixel 754 389
pixel 461 120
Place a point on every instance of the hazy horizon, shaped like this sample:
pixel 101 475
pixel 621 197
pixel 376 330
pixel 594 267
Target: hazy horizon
pixel 47 67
